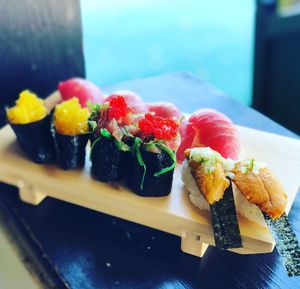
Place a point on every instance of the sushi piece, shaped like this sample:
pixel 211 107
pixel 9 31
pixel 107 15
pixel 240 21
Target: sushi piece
pixel 132 99
pixel 31 123
pixel 84 90
pixel 164 109
pixel 154 161
pixel 71 133
pixel 111 125
pixel 261 188
pixel 205 175
pixel 209 128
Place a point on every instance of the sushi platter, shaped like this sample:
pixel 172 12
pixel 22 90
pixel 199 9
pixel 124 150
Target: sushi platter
pixel 174 213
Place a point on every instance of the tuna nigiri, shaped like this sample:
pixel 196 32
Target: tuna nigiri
pixel 132 99
pixel 209 128
pixel 82 89
pixel 164 109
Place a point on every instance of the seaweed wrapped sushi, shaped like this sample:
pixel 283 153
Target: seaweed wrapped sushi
pixel 32 125
pixel 206 175
pixel 154 159
pixel 111 125
pixel 71 133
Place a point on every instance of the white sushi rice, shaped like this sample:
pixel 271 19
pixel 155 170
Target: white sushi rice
pixel 190 184
pixel 247 209
pixel 243 206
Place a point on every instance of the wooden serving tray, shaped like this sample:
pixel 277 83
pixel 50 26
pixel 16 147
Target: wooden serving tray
pixel 173 214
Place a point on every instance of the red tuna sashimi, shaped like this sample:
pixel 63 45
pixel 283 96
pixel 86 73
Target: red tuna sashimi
pixel 132 99
pixel 164 109
pixel 81 88
pixel 208 127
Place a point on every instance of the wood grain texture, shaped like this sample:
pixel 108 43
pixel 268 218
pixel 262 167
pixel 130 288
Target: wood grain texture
pixel 41 44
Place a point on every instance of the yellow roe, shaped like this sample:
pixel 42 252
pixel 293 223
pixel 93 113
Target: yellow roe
pixel 70 118
pixel 29 108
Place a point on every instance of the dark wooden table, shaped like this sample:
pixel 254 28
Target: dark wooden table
pixel 84 249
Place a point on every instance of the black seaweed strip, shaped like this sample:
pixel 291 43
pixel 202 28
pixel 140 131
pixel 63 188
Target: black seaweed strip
pixel 224 222
pixel 286 243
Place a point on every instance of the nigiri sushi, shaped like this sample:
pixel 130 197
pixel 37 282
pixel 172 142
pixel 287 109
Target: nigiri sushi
pixel 32 125
pixel 209 128
pixel 84 90
pixel 205 175
pixel 164 109
pixel 71 133
pixel 156 141
pixel 133 100
pixel 261 189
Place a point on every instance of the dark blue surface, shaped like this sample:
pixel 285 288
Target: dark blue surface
pixel 88 249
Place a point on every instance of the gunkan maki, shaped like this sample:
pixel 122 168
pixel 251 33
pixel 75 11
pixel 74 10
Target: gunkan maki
pixel 71 133
pixel 111 125
pixel 154 159
pixel 31 123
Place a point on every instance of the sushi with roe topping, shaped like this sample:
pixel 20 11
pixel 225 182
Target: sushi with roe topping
pixel 154 159
pixel 112 125
pixel 71 133
pixel 32 125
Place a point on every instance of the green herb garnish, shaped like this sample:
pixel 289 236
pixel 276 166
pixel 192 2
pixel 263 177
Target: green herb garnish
pixel 122 146
pixel 136 149
pixel 105 133
pixel 172 156
pixel 251 164
pixel 93 145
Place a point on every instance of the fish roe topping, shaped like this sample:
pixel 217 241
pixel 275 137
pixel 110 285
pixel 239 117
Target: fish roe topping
pixel 118 108
pixel 157 127
pixel 70 118
pixel 29 108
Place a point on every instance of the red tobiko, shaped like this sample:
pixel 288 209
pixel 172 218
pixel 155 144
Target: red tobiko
pixel 118 108
pixel 157 127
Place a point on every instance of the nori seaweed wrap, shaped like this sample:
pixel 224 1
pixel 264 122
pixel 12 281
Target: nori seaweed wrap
pixel 32 125
pixel 144 180
pixel 110 139
pixel 36 140
pixel 109 162
pixel 152 169
pixel 71 150
pixel 71 133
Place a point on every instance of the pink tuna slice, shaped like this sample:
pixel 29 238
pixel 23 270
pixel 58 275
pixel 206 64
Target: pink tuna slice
pixel 132 99
pixel 209 128
pixel 81 88
pixel 164 109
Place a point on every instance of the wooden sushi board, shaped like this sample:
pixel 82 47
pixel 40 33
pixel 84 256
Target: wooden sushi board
pixel 173 214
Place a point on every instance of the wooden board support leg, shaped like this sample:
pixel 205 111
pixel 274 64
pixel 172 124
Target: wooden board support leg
pixel 28 194
pixel 191 244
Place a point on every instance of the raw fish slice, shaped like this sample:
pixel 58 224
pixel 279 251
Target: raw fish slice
pixel 209 128
pixel 164 109
pixel 187 137
pixel 81 88
pixel 132 99
pixel 262 189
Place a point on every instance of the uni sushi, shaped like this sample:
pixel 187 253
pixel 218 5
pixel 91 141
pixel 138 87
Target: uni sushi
pixel 32 125
pixel 71 133
pixel 205 175
pixel 110 125
pixel 154 159
pixel 261 189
